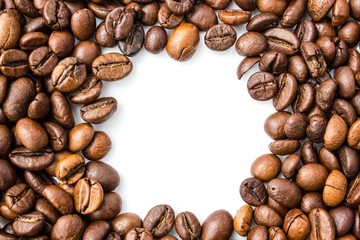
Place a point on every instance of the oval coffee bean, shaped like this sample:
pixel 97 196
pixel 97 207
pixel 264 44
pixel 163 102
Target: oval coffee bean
pixel 234 17
pixel 253 192
pixel 322 224
pixel 353 138
pixel 88 195
pixel 353 194
pixel 88 92
pixel 293 13
pixel 97 230
pixel 42 61
pixel 10 31
pixel 39 108
pixel 287 90
pixel 335 133
pixel 282 40
pixel 29 225
pixel 296 224
pixel 109 209
pixel 70 169
pixel 155 39
pixel 8 175
pixel 103 173
pixel 310 201
pixel 187 226
pixel 262 22
pixel 218 225
pixel 99 111
pixel 159 220
pixel 20 198
pixel 125 222
pixel 61 110
pixel 242 220
pixel 311 177
pixel 31 134
pixel 266 167
pixel 284 147
pixel 133 42
pixel 111 66
pixel 257 41
pixel 118 22
pixel 262 86
pixel 220 37
pixel 335 188
pixel 14 63
pixel 80 136
pixel 343 218
pixel 138 233
pixel 325 94
pixel 202 16
pixel 266 216
pixel 68 227
pixel 285 192
pixel 58 137
pixel 31 160
pixel 59 198
pixel 318 9
pixel 245 65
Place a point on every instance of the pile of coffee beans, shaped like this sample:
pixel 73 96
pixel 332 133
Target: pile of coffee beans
pixel 53 184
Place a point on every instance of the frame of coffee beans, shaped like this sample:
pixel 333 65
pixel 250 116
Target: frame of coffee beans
pixel 53 184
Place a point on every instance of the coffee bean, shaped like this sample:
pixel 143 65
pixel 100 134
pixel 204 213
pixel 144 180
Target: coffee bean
pixel 111 66
pixel 159 220
pixel 29 224
pixel 99 111
pixel 285 192
pixel 322 224
pixel 242 220
pixel 39 108
pixel 106 175
pixel 234 16
pixel 276 233
pixel 335 188
pixel 257 41
pixel 345 110
pixel 296 224
pixel 68 226
pixel 310 52
pixel 61 110
pixel 220 37
pixel 133 42
pixel 125 222
pixel 138 234
pixel 343 218
pixel 88 195
pixel 293 13
pixel 103 9
pixel 262 86
pixel 31 160
pixel 308 152
pixel 119 22
pixel 349 32
pixel 325 94
pixel 180 7
pixel 335 133
pixel 273 62
pixel 6 140
pixel 284 147
pixel 70 169
pixel 97 230
pixel 202 16
pixel 80 136
pixel 297 68
pixel 13 63
pixel 311 177
pixel 58 136
pixel 56 15
pixel 83 24
pixel 245 65
pixel 155 39
pixel 253 192
pixel 217 4
pixel 20 198
pixel 295 126
pixel 59 198
pixel 88 92
pixel 282 40
pixel 86 52
pixel 103 38
pixel 340 13
pixel 271 6
pixel 306 31
pixel 109 209
pixel 187 226
pixel 290 165
pixel 247 5
pixel 10 31
pixel 31 134
pixel 258 232
pixel 49 211
pixel 266 167
pixel 287 89
pixel 318 10
pixel 266 216
pixel 328 159
pixel 8 175
pixel 167 19
pixel 310 201
pixel 349 160
pixel 262 22
pixel 353 196
pixel 218 225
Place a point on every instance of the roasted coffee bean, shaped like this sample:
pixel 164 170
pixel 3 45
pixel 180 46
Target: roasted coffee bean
pixel 183 42
pixel 97 230
pixel 181 7
pixel 88 195
pixel 187 226
pixel 318 10
pixel 345 110
pixel 36 25
pixel 88 92
pixel 10 32
pixel 217 4
pixel 8 176
pixel 262 22
pixel 295 126
pixel 6 140
pixel 99 111
pixel 59 198
pixel 167 19
pixel 13 63
pixel 353 137
pixel 56 14
pixel 253 192
pixel 103 9
pixel 42 61
pixel 103 38
pixel 149 14
pixel 27 8
pixel 58 156
pixel 257 41
pixel 49 211
pixel 313 59
pixel 266 167
pixel 218 225
pixel 328 159
pixel 247 5
pixel 106 175
pixel 83 24
pixel 242 220
pixel 282 40
pixel 340 12
pixel 293 13
pixel 234 16
pixel 275 123
pixel 202 16
pixel 29 224
pixel 58 136
pixel 119 22
pixel 61 110
pixel 262 86
pixel 258 232
pixel 32 40
pixel 284 147
pixel 159 220
pixel 325 95
pixel 335 188
pixel 68 226
pixel 346 82
pixel 297 68
pixel 20 198
pixel 349 32
pixel 287 89
pixel 311 177
pixel 155 39
pixel 31 160
pixel 86 52
pixel 3 87
pixel 322 224
pixel 356 227
pixel 273 62
pixel 80 136
pixel 353 196
pixel 296 224
pixel 290 165
pixel 266 216
pixel 310 201
pixel 39 108
pixel 306 31
pixel 285 192
pixel 308 152
pixel 70 169
pixel 220 37
pixel 271 6
pixel 335 133
pixel 6 212
pixel 343 218
pixel 20 93
pixel 109 208
pixel 276 233
pixel 245 65
pixel 280 209
pixel 133 42
pixel 349 160
pixel 111 66
pixel 125 222
pixel 138 234
pixel 31 134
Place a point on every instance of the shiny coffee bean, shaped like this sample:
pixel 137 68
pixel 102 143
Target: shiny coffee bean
pixel 187 226
pixel 253 192
pixel 262 22
pixel 88 195
pixel 20 198
pixel 282 40
pixel 262 86
pixel 266 167
pixel 99 111
pixel 68 226
pixel 218 225
pixel 335 188
pixel 83 24
pixel 322 224
pixel 31 160
pixel 70 169
pixel 296 224
pixel 254 39
pixel 80 136
pixel 159 220
pixel 287 89
pixel 86 52
pixel 13 63
pixel 220 37
pixel 242 220
pixel 111 66
pixel 125 222
pixel 105 174
pixel 133 42
pixel 285 192
pixel 29 224
pixel 119 22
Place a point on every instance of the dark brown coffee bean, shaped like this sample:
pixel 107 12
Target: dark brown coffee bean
pixel 31 160
pixel 109 208
pixel 13 63
pixel 61 110
pixel 183 42
pixel 58 136
pixel 349 160
pixel 68 226
pixel 124 223
pixel 10 32
pixel 356 227
pixel 273 62
pixel 56 15
pixel 80 136
pixel 59 198
pixel 310 201
pixel 149 14
pixel 217 4
pixel 29 224
pixel 340 12
pixel 349 32
pixel 253 192
pixel 306 31
pixel 295 126
pixel 266 216
pixel 262 86
pixel 155 39
pixel 97 230
pixel 346 81
pixel 159 220
pixel 99 111
pixel 20 198
pixel 70 169
pixel 282 40
pixel 6 140
pixel 99 146
pixel 287 89
pixel 353 194
pixel 83 24
pixel 285 192
pixel 8 175
pixel 105 174
pixel 42 61
pixel 88 92
pixel 258 232
pixel 247 5
pixel 325 94
pixel 187 226
pixel 31 134
pixel 290 165
pixel 50 212
pixel 32 40
pixel 257 41
pixel 245 65
pixel 345 110
pixel 318 10
pixel 311 177
pixel 61 43
pixel 103 38
pixel 284 147
pixel 119 22
pixel 103 9
pixel 7 213
pixel 343 218
pixel 39 108
pixel 271 6
pixel 322 224
pixel 181 7
pixel 296 224
pixel 234 17
pixel 111 67
pixel 308 152
pixel 220 37
pixel 329 159
pixel 133 42
pixel 36 25
pixel 202 16
pixel 266 167
pixel 262 22
pixel 88 195
pixel 218 225
pixel 86 52
pixel 274 125
pixel 167 19
pixel 313 59
pixel 293 13
pixel 304 99
pixel 335 133
pixel 335 188
pixel 138 234
pixel 297 68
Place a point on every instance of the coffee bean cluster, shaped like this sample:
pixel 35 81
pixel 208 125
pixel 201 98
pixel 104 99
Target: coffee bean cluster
pixel 52 184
